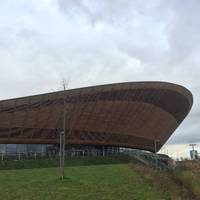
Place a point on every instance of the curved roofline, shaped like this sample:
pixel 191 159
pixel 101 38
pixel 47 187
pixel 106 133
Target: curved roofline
pixel 150 84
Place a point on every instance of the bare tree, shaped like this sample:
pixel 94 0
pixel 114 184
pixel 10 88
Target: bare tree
pixel 65 85
pixel 72 110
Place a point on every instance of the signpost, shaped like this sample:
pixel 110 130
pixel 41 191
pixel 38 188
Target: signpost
pixel 193 153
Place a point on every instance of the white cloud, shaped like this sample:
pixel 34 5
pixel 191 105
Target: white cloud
pixel 95 42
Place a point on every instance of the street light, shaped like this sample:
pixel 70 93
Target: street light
pixel 156 142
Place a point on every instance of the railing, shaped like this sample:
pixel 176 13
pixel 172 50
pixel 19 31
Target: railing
pixel 157 161
pixel 68 153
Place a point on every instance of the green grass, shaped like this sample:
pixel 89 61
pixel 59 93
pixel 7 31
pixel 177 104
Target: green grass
pixel 108 182
pixel 97 178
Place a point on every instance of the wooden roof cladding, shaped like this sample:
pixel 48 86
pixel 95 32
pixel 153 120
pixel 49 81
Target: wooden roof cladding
pixel 134 114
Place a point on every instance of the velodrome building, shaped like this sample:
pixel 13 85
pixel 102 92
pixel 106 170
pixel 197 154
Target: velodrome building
pixel 138 115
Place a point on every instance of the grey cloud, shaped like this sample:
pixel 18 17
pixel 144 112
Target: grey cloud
pixel 96 42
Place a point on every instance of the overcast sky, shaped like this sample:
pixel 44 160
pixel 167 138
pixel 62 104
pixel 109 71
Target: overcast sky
pixel 101 41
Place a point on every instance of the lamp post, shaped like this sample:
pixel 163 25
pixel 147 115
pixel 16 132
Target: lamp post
pixel 155 150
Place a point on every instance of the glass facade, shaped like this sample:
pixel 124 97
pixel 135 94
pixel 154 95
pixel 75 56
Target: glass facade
pixel 49 149
pixel 12 149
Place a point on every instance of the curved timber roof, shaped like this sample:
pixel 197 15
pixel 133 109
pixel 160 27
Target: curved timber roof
pixel 133 114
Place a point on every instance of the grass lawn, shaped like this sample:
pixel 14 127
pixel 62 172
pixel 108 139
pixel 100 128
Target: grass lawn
pixel 116 182
pixel 90 178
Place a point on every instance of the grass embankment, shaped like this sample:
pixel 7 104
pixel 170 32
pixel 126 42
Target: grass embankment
pixel 188 173
pixel 167 183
